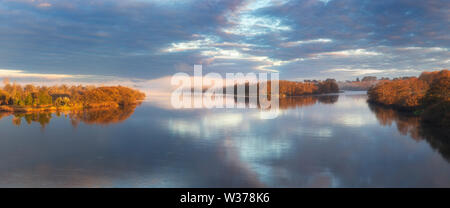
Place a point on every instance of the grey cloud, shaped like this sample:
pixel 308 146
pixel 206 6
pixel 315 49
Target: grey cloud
pixel 128 38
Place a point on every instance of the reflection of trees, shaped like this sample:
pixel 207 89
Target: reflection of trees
pixel 328 99
pixel 43 118
pixel 406 122
pixel 4 114
pixel 293 102
pixel 101 116
pixel 410 124
pixel 301 101
pixel 438 138
pixel 298 101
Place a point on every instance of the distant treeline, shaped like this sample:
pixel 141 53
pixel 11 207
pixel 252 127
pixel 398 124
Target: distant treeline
pixel 14 97
pixel 429 95
pixel 364 84
pixel 293 88
pixel 289 88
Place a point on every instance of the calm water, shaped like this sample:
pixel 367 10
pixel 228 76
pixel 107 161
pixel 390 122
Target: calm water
pixel 324 141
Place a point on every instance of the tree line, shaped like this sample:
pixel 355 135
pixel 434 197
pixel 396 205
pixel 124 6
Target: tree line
pixel 294 88
pixel 14 96
pixel 291 88
pixel 429 95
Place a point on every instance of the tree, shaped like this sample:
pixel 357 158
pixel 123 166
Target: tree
pixel 64 96
pixel 44 98
pixel 328 86
pixel 4 97
pixel 29 100
pixel 62 101
pixel 369 79
pixel 440 88
pixel 412 92
pixel 29 89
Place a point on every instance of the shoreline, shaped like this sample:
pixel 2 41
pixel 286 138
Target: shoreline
pixel 15 109
pixel 29 109
pixel 412 110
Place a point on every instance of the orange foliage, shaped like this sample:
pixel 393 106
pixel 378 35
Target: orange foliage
pixel 439 87
pixel 17 98
pixel 111 96
pixel 404 93
pixel 290 88
pixel 411 92
pixel 437 100
pixel 429 77
pixel 430 92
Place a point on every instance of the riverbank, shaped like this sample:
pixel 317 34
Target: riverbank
pixel 427 96
pixel 26 109
pixel 13 109
pixel 15 98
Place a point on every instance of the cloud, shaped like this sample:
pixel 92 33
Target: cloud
pixel 11 73
pixel 352 52
pixel 362 71
pixel 301 42
pixel 204 43
pixel 149 39
pixel 325 1
pixel 248 25
pixel 424 49
pixel 43 79
pixel 44 5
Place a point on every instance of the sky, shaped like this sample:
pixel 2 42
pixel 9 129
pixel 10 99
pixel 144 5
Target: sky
pixel 139 41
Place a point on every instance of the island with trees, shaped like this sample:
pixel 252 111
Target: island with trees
pixel 30 98
pixel 292 88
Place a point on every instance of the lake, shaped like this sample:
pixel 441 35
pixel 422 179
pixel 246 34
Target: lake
pixel 316 141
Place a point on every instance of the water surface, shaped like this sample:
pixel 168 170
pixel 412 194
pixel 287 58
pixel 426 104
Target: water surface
pixel 316 141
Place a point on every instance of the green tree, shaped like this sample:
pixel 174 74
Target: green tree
pixel 29 100
pixel 44 98
pixel 62 101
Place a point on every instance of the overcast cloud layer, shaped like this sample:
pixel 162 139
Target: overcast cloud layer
pixel 149 39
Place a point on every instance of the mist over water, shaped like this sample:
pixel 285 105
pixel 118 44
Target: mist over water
pixel 316 141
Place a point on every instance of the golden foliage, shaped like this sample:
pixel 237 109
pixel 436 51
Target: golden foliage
pixel 29 98
pixel 430 93
pixel 403 93
pixel 290 88
pixel 412 92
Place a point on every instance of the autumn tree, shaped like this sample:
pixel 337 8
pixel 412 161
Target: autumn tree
pixel 328 86
pixel 429 93
pixel 437 100
pixel 65 96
